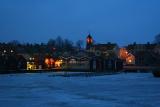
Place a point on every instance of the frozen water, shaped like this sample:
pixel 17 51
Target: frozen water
pixel 45 90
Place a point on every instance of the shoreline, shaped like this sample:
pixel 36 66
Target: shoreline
pixel 70 70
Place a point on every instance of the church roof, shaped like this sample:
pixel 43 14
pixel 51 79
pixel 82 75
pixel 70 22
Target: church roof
pixel 89 36
pixel 108 46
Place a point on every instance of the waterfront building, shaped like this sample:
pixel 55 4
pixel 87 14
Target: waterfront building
pixel 79 60
pixel 145 54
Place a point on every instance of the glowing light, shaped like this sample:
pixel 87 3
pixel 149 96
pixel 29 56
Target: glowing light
pixel 47 61
pixel 123 53
pixel 54 49
pixel 58 63
pixel 4 51
pixel 31 66
pixel 130 60
pixel 126 56
pixel 89 40
pixel 51 61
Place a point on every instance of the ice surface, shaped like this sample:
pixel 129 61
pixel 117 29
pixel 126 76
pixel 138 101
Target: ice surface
pixel 45 90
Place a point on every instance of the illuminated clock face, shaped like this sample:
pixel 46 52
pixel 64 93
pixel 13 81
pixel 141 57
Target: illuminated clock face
pixel 89 40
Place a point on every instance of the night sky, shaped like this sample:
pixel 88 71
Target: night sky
pixel 120 21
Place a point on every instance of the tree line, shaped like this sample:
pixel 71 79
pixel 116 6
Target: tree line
pixel 56 46
pixel 11 57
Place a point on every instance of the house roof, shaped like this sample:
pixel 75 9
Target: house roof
pixel 144 46
pixel 89 36
pixel 109 46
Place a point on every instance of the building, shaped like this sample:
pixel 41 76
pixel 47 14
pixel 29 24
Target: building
pixel 75 61
pixel 89 42
pixel 103 57
pixel 31 65
pixel 145 54
pixel 128 58
pixel 108 51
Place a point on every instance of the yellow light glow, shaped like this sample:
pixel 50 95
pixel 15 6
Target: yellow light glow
pixel 51 61
pixel 123 53
pixel 89 40
pixel 31 66
pixel 58 63
pixel 130 61
pixel 47 61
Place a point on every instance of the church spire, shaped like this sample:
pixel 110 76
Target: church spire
pixel 89 41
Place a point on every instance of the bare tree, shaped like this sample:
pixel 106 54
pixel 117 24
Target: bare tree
pixel 68 45
pixel 59 42
pixel 14 42
pixel 157 39
pixel 79 44
pixel 51 42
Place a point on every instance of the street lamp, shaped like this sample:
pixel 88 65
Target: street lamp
pixel 11 51
pixel 4 51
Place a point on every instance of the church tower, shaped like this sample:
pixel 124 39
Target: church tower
pixel 89 42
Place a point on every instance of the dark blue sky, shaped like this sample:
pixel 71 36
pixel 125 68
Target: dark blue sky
pixel 120 21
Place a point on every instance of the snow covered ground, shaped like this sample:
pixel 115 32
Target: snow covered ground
pixel 45 90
